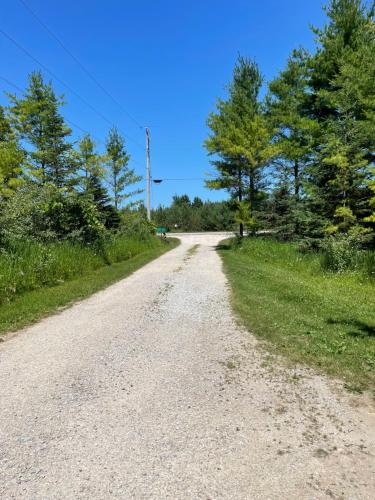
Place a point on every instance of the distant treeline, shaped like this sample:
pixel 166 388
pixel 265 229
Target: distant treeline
pixel 197 215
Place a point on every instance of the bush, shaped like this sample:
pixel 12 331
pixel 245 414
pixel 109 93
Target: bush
pixel 340 253
pixel 135 224
pixel 46 213
pixel 369 263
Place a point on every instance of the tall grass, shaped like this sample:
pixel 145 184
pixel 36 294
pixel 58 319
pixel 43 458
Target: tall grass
pixel 26 266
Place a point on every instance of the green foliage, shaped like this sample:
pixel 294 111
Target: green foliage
pixel 46 212
pixel 371 218
pixel 120 176
pixel 37 119
pixel 342 104
pixel 340 253
pixel 58 227
pixel 240 136
pixel 243 217
pixel 90 162
pixel 98 195
pixel 313 135
pixel 25 266
pixel 74 217
pixel 11 158
pixel 28 265
pixel 287 112
pixel 184 215
pixel 135 223
pixel 33 305
pixel 368 263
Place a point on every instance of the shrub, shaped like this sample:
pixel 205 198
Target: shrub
pixel 369 263
pixel 46 213
pixel 340 253
pixel 135 224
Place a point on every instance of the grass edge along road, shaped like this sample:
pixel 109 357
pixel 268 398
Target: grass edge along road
pixel 324 320
pixel 36 304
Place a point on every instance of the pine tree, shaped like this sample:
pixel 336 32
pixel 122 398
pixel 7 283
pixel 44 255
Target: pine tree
pixel 288 114
pixel 339 72
pixel 109 216
pixel 120 176
pixel 241 138
pixel 89 161
pixel 11 158
pixel 38 120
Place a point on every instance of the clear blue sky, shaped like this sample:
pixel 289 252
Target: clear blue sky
pixel 165 61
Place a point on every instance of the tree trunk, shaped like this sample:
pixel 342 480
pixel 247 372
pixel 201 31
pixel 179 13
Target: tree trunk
pixel 296 180
pixel 252 197
pixel 251 192
pixel 240 196
pixel 297 185
pixel 115 190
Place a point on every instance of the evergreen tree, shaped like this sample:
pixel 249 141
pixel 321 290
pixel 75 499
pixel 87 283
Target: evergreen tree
pixel 288 114
pixel 241 138
pixel 109 216
pixel 197 202
pixel 89 160
pixel 38 120
pixel 92 180
pixel 120 175
pixel 342 104
pixel 11 158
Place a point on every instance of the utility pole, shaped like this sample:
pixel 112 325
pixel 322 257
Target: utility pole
pixel 148 173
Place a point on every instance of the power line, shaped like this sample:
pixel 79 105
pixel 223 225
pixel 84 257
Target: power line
pixel 83 68
pixel 12 84
pixel 97 140
pixel 43 66
pixel 186 179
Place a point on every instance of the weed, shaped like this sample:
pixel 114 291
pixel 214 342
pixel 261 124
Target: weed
pixel 231 365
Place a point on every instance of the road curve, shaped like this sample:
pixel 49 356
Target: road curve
pixel 149 390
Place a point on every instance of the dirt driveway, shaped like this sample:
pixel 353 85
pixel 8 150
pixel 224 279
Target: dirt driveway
pixel 149 390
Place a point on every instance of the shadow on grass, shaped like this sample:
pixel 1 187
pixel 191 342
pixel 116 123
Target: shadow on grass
pixel 223 246
pixel 362 329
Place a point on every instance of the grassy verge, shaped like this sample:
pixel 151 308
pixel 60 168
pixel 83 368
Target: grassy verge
pixel 322 319
pixel 32 305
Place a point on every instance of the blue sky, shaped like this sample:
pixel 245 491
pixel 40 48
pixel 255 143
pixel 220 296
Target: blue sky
pixel 165 61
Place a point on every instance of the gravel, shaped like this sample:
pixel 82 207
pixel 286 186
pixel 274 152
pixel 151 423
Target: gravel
pixel 150 390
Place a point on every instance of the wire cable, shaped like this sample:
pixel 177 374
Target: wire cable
pixel 77 61
pixel 70 89
pixel 187 179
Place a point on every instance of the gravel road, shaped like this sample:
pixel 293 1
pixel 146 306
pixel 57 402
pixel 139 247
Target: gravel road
pixel 149 390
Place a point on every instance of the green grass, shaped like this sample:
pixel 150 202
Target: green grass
pixel 88 274
pixel 325 320
pixel 26 266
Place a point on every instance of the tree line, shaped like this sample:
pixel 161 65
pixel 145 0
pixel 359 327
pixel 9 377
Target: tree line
pixel 301 160
pixel 184 214
pixel 51 186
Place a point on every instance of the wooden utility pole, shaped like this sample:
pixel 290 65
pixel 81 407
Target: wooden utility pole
pixel 148 173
